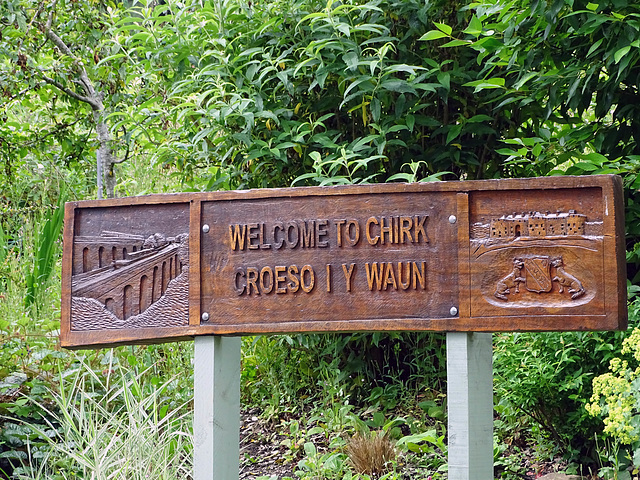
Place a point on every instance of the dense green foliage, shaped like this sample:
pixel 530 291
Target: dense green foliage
pixel 204 94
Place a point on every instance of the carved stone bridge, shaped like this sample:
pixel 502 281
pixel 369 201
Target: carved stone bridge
pixel 123 272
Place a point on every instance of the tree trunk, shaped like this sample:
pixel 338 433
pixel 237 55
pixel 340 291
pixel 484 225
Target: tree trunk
pixel 104 157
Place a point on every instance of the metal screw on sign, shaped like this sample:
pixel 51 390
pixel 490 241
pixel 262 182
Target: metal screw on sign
pixel 453 311
pixel 205 316
pixel 452 219
pixel 205 228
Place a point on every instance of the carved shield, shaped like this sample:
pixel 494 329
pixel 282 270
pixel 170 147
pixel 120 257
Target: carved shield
pixel 537 274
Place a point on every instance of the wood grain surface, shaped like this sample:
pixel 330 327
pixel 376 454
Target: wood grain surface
pixel 499 255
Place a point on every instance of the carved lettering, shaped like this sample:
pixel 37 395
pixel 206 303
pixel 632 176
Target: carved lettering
pixel 294 282
pixel 321 232
pixel 392 230
pixel 386 229
pixel 348 273
pixel 263 244
pixel 278 235
pixel 265 286
pixel 390 277
pixel 353 232
pixel 383 276
pixel 237 236
pixel 292 228
pixel 252 277
pixel 418 228
pixel 239 285
pixel 280 279
pixel 328 278
pixel 404 285
pixel 254 231
pixel 374 275
pixel 307 284
pixel 373 240
pixel 307 230
pixel 339 224
pixel 419 275
pixel 405 229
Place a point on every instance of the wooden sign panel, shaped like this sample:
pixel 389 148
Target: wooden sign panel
pixel 527 254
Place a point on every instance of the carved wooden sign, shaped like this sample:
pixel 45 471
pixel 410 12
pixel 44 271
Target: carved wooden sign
pixel 498 255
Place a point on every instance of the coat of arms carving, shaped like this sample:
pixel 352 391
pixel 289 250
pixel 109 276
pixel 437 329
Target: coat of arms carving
pixel 538 273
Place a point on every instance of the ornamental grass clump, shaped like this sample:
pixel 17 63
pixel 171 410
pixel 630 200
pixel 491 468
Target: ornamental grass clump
pixel 371 453
pixel 117 427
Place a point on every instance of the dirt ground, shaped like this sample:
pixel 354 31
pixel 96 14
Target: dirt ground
pixel 263 453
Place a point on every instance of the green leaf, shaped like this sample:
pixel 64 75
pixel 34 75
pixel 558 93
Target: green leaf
pixel 351 60
pixel 621 53
pixel 486 84
pixel 594 47
pixel 454 132
pixel 457 43
pixel 537 150
pixel 474 28
pixel 524 79
pixel 596 158
pixel 443 27
pixel 587 167
pixel 375 109
pixel 400 86
pixel 411 121
pixel 433 35
pixel 445 80
pixel 480 118
pixel 22 23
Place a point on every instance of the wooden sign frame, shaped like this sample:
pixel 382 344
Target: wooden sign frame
pixel 533 254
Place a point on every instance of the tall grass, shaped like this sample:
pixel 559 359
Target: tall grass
pixel 45 253
pixel 109 427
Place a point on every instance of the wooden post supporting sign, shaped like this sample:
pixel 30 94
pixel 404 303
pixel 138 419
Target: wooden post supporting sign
pixel 541 254
pixel 470 406
pixel 216 416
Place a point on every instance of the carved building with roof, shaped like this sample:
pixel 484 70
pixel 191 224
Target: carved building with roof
pixel 536 224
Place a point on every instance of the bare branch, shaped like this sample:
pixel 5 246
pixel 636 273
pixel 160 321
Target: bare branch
pixel 50 19
pixel 36 15
pixel 70 92
pixel 92 98
pixel 58 129
pixel 58 42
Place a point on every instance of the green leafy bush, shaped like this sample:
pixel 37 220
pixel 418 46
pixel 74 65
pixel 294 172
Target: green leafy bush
pixel 546 378
pixel 380 369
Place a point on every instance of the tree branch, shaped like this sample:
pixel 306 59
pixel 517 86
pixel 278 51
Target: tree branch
pixel 36 15
pixel 50 19
pixel 93 98
pixel 70 92
pixel 58 129
pixel 58 42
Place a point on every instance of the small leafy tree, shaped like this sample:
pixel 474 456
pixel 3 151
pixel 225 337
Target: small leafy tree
pixel 58 93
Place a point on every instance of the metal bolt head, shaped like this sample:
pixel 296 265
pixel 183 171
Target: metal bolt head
pixel 453 311
pixel 452 219
pixel 205 316
pixel 205 228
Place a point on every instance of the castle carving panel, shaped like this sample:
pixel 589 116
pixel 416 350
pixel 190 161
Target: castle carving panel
pixel 540 260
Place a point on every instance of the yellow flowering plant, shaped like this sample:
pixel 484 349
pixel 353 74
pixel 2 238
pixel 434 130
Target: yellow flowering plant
pixel 616 398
